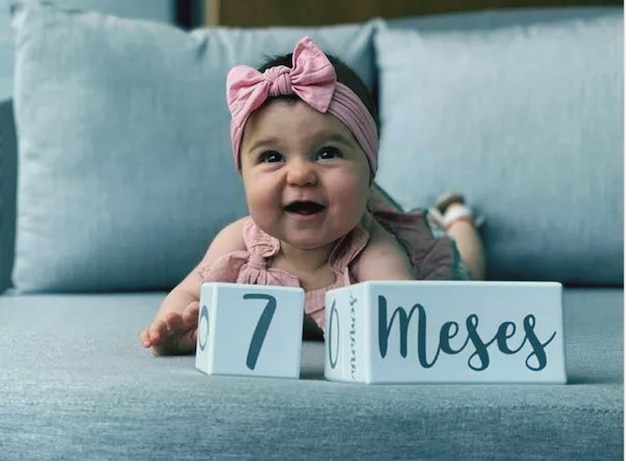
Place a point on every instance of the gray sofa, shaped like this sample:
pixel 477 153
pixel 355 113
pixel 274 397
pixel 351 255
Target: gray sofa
pixel 118 138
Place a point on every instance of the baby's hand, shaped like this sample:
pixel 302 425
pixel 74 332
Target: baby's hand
pixel 175 333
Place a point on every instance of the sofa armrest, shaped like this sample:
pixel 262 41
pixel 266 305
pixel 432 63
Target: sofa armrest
pixel 8 183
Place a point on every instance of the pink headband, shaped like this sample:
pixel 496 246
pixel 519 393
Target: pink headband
pixel 312 79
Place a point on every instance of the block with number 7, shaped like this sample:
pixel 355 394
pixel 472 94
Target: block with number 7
pixel 250 330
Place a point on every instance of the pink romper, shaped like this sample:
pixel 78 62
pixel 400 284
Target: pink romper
pixel 433 257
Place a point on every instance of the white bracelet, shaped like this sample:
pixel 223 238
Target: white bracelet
pixel 456 213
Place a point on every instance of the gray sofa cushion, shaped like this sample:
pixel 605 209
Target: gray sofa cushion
pixel 125 165
pixel 524 114
pixel 77 384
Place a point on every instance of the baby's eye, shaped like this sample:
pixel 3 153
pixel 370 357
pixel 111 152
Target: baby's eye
pixel 270 156
pixel 328 153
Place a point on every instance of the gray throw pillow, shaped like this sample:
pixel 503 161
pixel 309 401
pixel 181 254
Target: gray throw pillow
pixel 527 121
pixel 125 165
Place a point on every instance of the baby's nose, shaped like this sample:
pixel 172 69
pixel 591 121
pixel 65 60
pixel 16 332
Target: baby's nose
pixel 301 173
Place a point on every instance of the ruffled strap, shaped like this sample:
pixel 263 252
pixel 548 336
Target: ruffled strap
pixel 258 242
pixel 347 249
pixel 224 269
pixel 250 266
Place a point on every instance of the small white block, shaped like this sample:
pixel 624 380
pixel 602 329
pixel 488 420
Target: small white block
pixel 250 330
pixel 454 332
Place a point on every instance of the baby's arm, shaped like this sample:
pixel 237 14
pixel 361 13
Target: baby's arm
pixel 173 330
pixel 382 258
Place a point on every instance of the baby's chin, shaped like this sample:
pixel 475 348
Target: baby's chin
pixel 311 241
pixel 305 236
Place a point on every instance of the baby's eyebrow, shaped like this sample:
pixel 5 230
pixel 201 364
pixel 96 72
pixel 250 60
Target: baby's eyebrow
pixel 263 143
pixel 339 138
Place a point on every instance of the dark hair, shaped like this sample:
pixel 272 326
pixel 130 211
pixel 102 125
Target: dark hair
pixel 344 73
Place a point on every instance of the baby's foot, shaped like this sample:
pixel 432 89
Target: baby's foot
pixel 175 333
pixel 445 201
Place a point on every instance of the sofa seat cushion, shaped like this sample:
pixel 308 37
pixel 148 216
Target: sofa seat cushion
pixel 77 384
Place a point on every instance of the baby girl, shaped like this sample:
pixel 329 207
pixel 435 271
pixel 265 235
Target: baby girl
pixel 305 142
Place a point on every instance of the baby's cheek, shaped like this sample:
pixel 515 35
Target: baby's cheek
pixel 258 193
pixel 351 200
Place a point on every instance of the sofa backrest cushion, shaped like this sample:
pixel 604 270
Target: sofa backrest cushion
pixel 522 112
pixel 125 165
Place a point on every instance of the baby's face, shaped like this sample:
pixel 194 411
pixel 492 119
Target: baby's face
pixel 306 178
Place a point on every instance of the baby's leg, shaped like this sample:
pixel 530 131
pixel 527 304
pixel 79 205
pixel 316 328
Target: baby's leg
pixel 462 228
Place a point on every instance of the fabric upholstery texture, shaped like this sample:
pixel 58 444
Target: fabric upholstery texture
pixel 525 123
pixel 125 171
pixel 78 385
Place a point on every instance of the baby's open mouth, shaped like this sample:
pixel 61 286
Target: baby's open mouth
pixel 304 208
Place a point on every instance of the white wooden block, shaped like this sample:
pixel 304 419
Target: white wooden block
pixel 453 332
pixel 250 330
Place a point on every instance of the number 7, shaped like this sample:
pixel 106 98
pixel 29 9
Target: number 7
pixel 261 327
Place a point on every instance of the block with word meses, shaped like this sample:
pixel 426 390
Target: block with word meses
pixel 452 332
pixel 250 330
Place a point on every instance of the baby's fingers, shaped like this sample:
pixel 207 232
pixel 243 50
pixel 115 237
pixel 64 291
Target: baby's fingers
pixel 161 331
pixel 144 337
pixel 187 342
pixel 157 331
pixel 190 314
pixel 174 323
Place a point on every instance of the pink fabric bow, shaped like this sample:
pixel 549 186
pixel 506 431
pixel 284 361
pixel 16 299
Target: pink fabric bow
pixel 312 79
